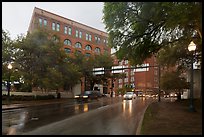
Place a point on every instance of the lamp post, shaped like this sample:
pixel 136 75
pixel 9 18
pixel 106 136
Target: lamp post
pixel 8 82
pixel 191 48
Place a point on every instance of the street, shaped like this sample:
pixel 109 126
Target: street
pixel 107 116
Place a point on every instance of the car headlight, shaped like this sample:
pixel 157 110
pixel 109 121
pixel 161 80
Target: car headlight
pixel 85 96
pixel 76 96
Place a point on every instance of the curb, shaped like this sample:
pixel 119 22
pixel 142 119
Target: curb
pixel 141 121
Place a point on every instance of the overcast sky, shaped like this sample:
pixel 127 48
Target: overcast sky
pixel 16 16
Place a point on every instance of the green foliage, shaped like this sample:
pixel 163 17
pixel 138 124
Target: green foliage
pixel 137 30
pixel 173 81
pixel 38 59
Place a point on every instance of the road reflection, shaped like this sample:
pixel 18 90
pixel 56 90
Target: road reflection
pixel 127 107
pixel 86 107
pixel 16 123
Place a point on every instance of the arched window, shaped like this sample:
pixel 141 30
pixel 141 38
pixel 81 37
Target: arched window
pixel 67 50
pixel 78 52
pixel 88 47
pixel 97 50
pixel 67 42
pixel 87 54
pixel 78 45
pixel 55 38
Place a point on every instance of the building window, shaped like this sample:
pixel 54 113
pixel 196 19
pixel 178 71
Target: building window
pixel 97 50
pixel 77 33
pixel 58 27
pixel 40 22
pixel 132 72
pixel 67 42
pixel 53 26
pixel 55 39
pixel 45 23
pixel 126 80
pixel 105 41
pixel 78 45
pixel 126 73
pixel 87 54
pixel 155 72
pixel 78 52
pixel 121 86
pixel 88 47
pixel 67 50
pixel 132 79
pixel 120 80
pixel 80 34
pixel 87 36
pixel 70 31
pixel 120 63
pixel 97 39
pixel 126 62
pixel 65 30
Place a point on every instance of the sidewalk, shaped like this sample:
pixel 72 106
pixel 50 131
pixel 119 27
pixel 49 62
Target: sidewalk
pixel 172 118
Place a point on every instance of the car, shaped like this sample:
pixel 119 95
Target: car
pixel 129 95
pixel 86 96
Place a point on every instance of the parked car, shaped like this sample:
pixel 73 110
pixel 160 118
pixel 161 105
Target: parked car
pixel 86 96
pixel 129 95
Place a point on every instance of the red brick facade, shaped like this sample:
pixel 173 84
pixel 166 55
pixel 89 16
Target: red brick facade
pixel 92 41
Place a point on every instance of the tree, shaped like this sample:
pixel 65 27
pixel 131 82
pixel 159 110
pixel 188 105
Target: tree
pixel 87 64
pixel 171 81
pixel 137 30
pixel 42 61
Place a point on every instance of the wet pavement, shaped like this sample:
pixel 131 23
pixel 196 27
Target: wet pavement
pixel 113 116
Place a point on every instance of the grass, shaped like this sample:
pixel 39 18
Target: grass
pixel 172 118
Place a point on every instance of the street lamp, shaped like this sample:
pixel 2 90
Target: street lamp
pixel 8 82
pixel 191 47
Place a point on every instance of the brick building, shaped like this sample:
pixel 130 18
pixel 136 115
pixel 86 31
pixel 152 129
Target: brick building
pixel 76 36
pixel 144 80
